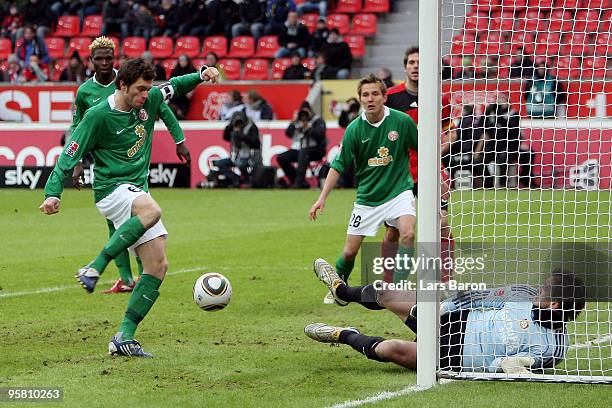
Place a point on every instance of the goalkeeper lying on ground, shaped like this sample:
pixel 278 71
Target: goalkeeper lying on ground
pixel 508 329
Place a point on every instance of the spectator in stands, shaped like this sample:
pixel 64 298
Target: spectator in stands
pixel 338 55
pixel 252 18
pixel 36 14
pixel 465 151
pixel 313 6
pixel 276 12
pixel 319 36
pixel 160 72
pixel 308 143
pixel 81 8
pixel 293 37
pixel 193 17
pixel 36 71
pixel 180 104
pixel 257 108
pixel 386 76
pixel 115 15
pixel 212 60
pixel 245 146
pixel 296 70
pixel 13 71
pixel 521 65
pixel 543 93
pixel 166 19
pixel 321 69
pixel 29 45
pixel 11 24
pixel 233 105
pixel 143 22
pixel 75 71
pixel 224 15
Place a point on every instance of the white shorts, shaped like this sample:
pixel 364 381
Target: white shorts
pixel 117 207
pixel 366 220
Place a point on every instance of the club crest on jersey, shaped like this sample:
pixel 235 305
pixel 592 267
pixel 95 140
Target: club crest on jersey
pixel 143 115
pixel 524 324
pixel 383 158
pixel 72 148
pixel 393 135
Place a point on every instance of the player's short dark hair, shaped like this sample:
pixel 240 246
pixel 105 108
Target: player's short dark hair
pixel 567 289
pixel 132 69
pixel 371 79
pixel 413 49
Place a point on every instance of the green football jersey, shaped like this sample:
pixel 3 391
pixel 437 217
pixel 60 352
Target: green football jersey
pixel 380 154
pixel 91 92
pixel 120 142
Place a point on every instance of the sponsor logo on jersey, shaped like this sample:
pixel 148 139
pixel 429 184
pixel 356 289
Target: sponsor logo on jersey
pixel 72 148
pixel 383 158
pixel 524 324
pixel 143 115
pixel 393 135
pixel 141 133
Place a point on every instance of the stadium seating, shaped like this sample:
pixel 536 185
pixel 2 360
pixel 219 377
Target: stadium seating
pixel 115 41
pixel 67 26
pixel 80 45
pixel 242 46
pixel 561 20
pixel 92 26
pixel 603 44
pixel 255 69
pixel 364 24
pixel 548 44
pixel 6 48
pixel 161 47
pixel 541 4
pixel 594 67
pixel 267 46
pixel 309 63
pixel 503 67
pixel 310 21
pixel 348 6
pixel 58 67
pixel 231 68
pixel 516 4
pixel 375 6
pixel 216 44
pixel 168 65
pixel 279 66
pixel 356 44
pixel 566 67
pixel 133 47
pixel 55 46
pixel 339 21
pixel 187 45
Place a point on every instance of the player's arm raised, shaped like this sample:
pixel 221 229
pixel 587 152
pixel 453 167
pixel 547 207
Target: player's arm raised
pixel 182 85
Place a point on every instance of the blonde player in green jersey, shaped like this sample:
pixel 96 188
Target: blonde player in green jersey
pixel 118 132
pixel 377 142
pixel 90 93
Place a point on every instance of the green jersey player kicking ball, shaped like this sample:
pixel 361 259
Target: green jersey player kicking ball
pixel 94 91
pixel 118 133
pixel 377 142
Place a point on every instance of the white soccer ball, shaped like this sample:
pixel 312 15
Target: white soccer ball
pixel 212 291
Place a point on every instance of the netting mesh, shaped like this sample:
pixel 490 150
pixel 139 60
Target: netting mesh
pixel 527 84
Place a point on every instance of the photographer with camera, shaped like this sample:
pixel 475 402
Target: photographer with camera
pixel 245 146
pixel 307 132
pixel 350 112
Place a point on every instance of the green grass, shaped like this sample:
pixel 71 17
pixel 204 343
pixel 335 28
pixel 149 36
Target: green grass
pixel 254 353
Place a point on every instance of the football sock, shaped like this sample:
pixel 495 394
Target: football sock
pixel 361 343
pixel 344 267
pixel 364 295
pixel 403 270
pixel 388 250
pixel 125 236
pixel 141 301
pixel 122 260
pixel 411 320
pixel 140 267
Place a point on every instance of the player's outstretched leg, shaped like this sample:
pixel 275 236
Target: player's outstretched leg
pixel 327 274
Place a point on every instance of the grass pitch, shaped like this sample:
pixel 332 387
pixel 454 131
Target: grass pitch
pixel 252 354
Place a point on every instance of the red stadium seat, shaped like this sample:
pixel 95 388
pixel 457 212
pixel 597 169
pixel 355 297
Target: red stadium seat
pixel 586 21
pixel 574 44
pixel 198 62
pixel 6 48
pixel 565 65
pixel 309 63
pixel 187 45
pixel 522 40
pixel 133 47
pixel 594 67
pixel 356 44
pixel 242 46
pixel 255 69
pixel 516 4
pixel 92 26
pixel 463 45
pixel 279 66
pixel 58 67
pixel 534 21
pixel 595 4
pixel 603 44
pixel 339 21
pixel 168 65
pixel 502 22
pixel 364 24
pixel 484 5
pixel 476 22
pixel 541 4
pixel 561 20
pixel 216 44
pixel 267 46
pixel 161 47
pixel 310 21
pixel 80 45
pixel 231 68
pixel 375 6
pixel 348 6
pixel 68 26
pixel 503 67
pixel 55 46
pixel 548 44
pixel 566 4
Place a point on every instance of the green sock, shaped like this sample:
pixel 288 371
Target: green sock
pixel 125 236
pixel 402 271
pixel 141 301
pixel 122 260
pixel 140 267
pixel 344 267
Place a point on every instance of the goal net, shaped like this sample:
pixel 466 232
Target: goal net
pixel 528 86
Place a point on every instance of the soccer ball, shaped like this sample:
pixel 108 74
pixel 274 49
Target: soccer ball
pixel 212 291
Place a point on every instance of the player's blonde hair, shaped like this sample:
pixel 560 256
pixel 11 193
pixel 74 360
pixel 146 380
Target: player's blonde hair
pixel 101 42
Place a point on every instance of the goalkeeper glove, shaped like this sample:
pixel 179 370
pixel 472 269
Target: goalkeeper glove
pixel 517 365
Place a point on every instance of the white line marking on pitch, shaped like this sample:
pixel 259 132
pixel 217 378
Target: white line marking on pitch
pixel 599 340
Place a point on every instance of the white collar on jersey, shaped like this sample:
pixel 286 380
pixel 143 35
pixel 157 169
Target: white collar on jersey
pixel 111 102
pixel 107 85
pixel 377 124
